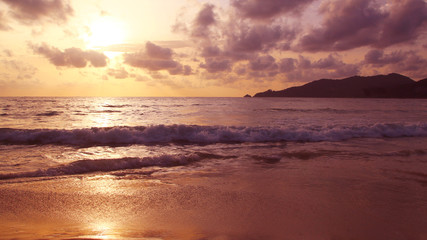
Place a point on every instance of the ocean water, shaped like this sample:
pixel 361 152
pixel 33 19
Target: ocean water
pixel 215 168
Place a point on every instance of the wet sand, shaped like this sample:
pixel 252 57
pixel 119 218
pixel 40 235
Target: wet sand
pixel 315 199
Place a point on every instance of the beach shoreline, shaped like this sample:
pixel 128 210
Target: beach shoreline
pixel 324 197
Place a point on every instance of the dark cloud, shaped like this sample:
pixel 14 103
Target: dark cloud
pixel 287 64
pixel 181 70
pixel 187 70
pixel 302 69
pixel 224 43
pixel 155 51
pixel 240 69
pixel 303 62
pixel 31 11
pixel 156 58
pixel 263 63
pixel 266 9
pixel 214 65
pixel 405 62
pixel 252 38
pixel 311 74
pixel 96 59
pixel 204 19
pixel 346 24
pixel 206 16
pixel 141 61
pixel 407 18
pixel 330 62
pixel 245 43
pixel 350 24
pixel 211 51
pixel 71 57
pixel 378 58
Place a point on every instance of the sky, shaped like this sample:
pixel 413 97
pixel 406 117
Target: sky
pixel 204 48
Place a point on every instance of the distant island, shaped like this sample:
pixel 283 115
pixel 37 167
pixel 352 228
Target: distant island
pixel 380 86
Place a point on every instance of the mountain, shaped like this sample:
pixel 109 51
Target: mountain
pixel 381 86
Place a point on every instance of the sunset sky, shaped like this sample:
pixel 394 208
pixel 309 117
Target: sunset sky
pixel 203 47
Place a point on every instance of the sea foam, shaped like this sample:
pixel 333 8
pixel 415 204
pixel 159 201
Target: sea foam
pixel 108 165
pixel 194 134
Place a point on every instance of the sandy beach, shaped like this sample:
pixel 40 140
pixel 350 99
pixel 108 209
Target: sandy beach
pixel 317 197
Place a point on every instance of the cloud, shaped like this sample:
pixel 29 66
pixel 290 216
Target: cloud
pixel 71 57
pixel 156 58
pixel 346 24
pixel 4 22
pixel 332 64
pixel 302 69
pixel 223 40
pixel 263 63
pixel 287 65
pixel 211 51
pixel 406 62
pixel 204 19
pixel 244 42
pixel 247 41
pixel 266 9
pixel 378 58
pixel 141 61
pixel 8 53
pixel 252 38
pixel 350 24
pixel 407 18
pixel 214 65
pixel 30 11
pixel 154 51
pixel 120 73
pixel 206 16
pixel 18 70
pixel 240 69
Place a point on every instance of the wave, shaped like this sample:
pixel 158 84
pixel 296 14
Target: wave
pixel 109 165
pixel 116 106
pixel 194 134
pixel 320 110
pixel 49 113
pixel 331 110
pixel 105 111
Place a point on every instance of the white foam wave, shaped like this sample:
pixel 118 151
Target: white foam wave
pixel 192 134
pixel 108 165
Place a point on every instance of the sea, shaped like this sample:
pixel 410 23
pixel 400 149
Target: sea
pixel 214 168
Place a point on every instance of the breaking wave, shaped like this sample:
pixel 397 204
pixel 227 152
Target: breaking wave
pixel 109 165
pixel 194 134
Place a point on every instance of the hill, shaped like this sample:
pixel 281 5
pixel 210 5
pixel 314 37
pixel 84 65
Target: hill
pixel 380 86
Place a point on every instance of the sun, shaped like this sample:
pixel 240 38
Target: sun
pixel 105 31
